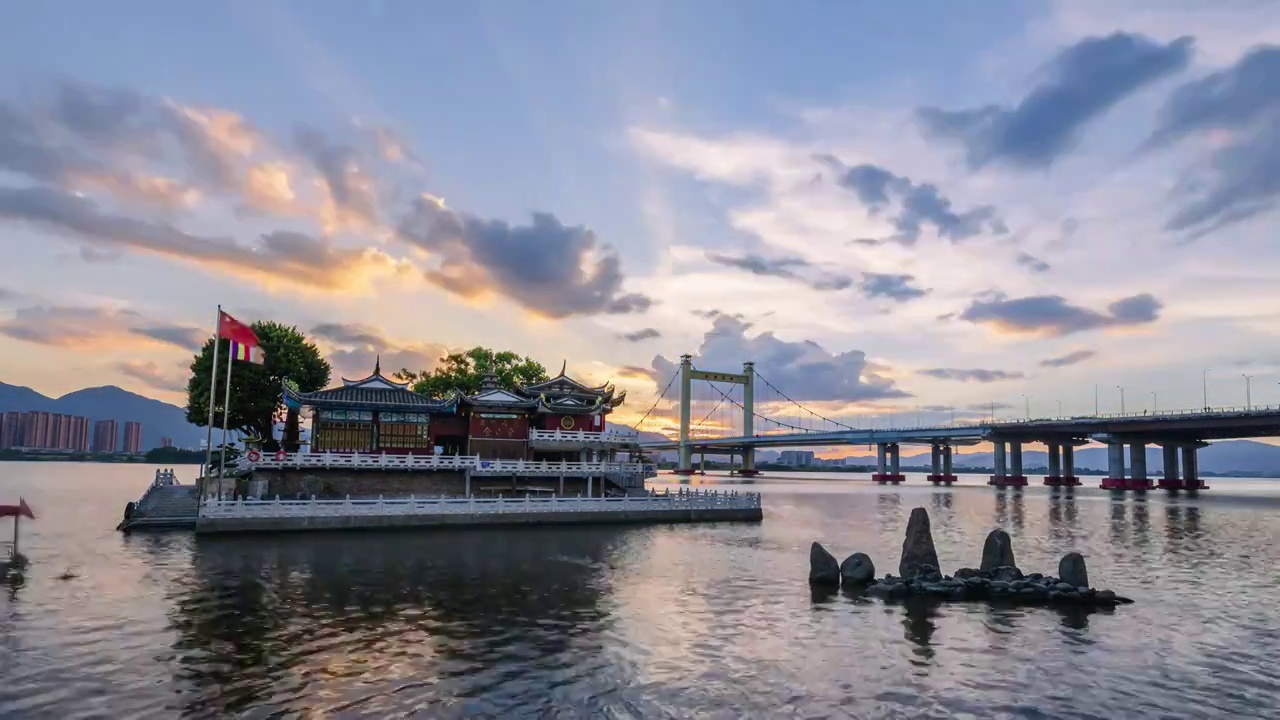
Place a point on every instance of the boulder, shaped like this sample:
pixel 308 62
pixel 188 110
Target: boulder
pixel 824 569
pixel 966 573
pixel 857 569
pixel 1007 573
pixel 1072 571
pixel 917 547
pixel 997 551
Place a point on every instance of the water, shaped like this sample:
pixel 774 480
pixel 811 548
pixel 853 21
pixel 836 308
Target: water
pixel 650 622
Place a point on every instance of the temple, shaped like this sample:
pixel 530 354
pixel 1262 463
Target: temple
pixel 559 419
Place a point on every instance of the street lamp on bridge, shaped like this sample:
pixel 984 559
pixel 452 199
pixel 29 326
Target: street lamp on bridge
pixel 1026 400
pixel 1248 393
pixel 1121 389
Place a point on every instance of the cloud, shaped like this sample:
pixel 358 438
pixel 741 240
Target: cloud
pixel 977 375
pixel 185 337
pixel 987 407
pixel 894 287
pixel 351 195
pixel 1032 263
pixel 803 370
pixel 281 256
pixel 788 268
pixel 1053 315
pixel 353 348
pixel 549 268
pixel 153 376
pixel 1080 84
pixel 643 334
pixel 1238 109
pixel 919 204
pixel 81 327
pixel 1070 358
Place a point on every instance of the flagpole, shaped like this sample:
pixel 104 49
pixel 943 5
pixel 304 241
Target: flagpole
pixel 213 383
pixel 226 411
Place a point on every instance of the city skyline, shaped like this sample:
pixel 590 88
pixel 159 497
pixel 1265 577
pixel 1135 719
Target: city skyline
pixel 1034 200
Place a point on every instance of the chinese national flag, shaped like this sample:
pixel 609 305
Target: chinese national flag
pixel 230 328
pixel 25 510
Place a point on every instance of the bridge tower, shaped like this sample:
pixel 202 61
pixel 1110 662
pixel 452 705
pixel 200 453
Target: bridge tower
pixel 746 379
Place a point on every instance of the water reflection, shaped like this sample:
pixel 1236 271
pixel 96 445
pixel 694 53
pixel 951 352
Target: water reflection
pixel 1010 510
pixel 1140 512
pixel 261 619
pixel 918 621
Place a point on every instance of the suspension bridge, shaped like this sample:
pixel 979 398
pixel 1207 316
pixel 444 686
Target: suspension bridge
pixel 736 413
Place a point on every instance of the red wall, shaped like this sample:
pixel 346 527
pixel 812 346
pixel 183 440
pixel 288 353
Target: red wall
pixel 579 422
pixel 490 428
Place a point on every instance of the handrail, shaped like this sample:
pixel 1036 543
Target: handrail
pixel 472 463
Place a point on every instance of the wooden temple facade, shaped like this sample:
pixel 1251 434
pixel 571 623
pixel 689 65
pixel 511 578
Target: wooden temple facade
pixel 378 415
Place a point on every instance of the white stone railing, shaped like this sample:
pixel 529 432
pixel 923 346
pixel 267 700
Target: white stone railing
pixel 583 436
pixel 213 508
pixel 478 466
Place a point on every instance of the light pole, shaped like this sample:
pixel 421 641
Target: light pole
pixel 1095 399
pixel 1059 408
pixel 1121 389
pixel 1204 385
pixel 1155 404
pixel 1248 391
pixel 1026 400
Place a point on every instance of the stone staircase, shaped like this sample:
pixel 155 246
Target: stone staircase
pixel 164 506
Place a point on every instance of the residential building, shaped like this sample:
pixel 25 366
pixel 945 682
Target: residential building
pixel 106 436
pixel 133 437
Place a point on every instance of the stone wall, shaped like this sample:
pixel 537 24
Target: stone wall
pixel 338 483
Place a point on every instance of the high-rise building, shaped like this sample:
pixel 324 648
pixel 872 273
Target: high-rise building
pixel 796 458
pixel 133 437
pixel 11 431
pixel 106 436
pixel 166 442
pixel 80 433
pixel 37 431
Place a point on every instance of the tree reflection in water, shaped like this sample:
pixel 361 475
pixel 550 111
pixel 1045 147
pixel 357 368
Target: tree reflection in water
pixel 464 610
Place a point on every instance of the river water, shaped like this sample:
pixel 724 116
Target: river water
pixel 708 621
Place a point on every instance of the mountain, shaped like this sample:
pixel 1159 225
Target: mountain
pixel 159 419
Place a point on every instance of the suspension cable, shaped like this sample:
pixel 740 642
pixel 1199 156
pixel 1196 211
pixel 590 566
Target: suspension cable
pixel 802 407
pixel 766 418
pixel 660 396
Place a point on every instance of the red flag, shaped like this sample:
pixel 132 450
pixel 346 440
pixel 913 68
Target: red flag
pixel 230 328
pixel 22 508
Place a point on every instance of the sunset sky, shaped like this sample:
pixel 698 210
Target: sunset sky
pixel 890 207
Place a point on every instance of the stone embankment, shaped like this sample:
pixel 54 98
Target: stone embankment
pixel 997 578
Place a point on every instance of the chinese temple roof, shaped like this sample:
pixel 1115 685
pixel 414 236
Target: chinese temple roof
pixel 372 392
pixel 563 394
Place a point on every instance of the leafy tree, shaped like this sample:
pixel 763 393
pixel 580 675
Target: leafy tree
pixel 465 370
pixel 256 397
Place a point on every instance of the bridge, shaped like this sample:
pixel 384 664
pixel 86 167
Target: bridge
pixel 729 427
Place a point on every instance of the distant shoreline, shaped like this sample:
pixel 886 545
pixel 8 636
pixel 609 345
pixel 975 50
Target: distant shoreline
pixel 1029 472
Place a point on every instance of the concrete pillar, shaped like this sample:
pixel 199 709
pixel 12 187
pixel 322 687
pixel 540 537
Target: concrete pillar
pixel 946 460
pixel 1055 460
pixel 685 466
pixel 1015 459
pixel 881 464
pixel 1138 462
pixel 998 459
pixel 1191 468
pixel 1115 479
pixel 935 459
pixel 562 486
pixel 1068 460
pixel 588 486
pixel 1171 481
pixel 466 475
pixel 702 463
pixel 894 465
pixel 748 418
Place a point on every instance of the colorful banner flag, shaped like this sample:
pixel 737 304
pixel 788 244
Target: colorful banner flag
pixel 247 353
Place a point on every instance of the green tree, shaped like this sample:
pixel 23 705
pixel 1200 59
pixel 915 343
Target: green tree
pixel 465 370
pixel 256 396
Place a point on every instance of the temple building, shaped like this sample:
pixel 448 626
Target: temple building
pixel 559 419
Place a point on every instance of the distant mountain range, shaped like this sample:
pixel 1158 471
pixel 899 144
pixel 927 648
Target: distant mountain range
pixel 159 419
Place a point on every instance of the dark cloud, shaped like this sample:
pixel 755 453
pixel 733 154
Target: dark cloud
pixel 547 267
pixel 894 287
pixel 279 256
pixel 1053 315
pixel 987 407
pixel 643 334
pixel 1032 263
pixel 967 375
pixel 919 204
pixel 1080 84
pixel 1240 106
pixel 72 326
pixel 354 348
pixel 1070 358
pixel 185 337
pixel 155 377
pixel 789 268
pixel 803 370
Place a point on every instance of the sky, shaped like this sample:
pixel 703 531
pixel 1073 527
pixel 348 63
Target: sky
pixel 891 208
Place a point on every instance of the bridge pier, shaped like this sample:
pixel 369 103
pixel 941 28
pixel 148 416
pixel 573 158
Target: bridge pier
pixel 894 472
pixel 1137 479
pixel 1191 481
pixel 1171 480
pixel 1061 465
pixel 1012 476
pixel 941 465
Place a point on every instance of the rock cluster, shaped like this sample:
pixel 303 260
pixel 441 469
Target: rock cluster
pixel 997 579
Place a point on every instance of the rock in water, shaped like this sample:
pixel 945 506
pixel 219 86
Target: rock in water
pixel 857 569
pixel 824 569
pixel 917 548
pixel 997 551
pixel 1071 570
